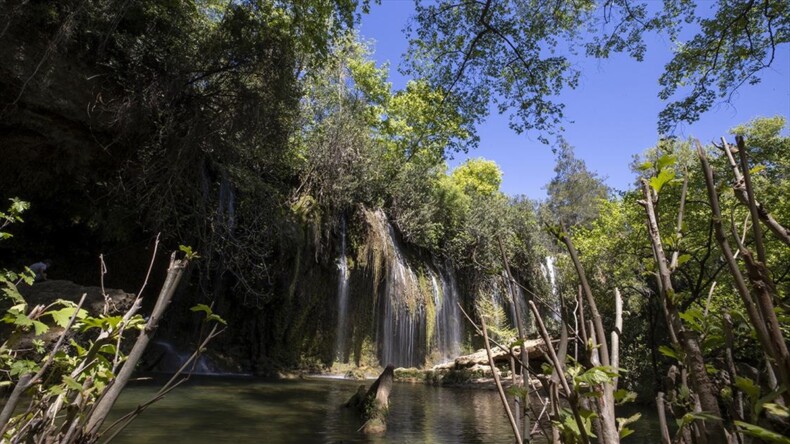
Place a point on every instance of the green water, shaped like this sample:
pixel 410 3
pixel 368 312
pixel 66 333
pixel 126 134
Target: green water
pixel 249 410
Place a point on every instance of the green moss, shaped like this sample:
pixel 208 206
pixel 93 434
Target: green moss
pixel 409 375
pixel 430 309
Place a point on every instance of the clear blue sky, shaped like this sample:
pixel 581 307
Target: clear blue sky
pixel 611 116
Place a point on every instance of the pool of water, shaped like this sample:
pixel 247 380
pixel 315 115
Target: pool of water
pixel 241 410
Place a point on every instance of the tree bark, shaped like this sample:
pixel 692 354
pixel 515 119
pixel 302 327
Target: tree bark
pixel 377 402
pixel 103 406
pixel 761 312
pixel 741 192
pixel 713 431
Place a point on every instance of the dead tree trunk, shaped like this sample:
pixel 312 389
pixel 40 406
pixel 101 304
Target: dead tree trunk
pixel 761 310
pixel 103 406
pixel 374 404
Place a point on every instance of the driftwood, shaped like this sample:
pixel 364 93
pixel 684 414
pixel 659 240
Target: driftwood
pixel 373 404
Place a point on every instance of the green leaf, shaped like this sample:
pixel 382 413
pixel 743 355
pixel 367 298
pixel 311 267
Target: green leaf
pixel 202 307
pixel 683 258
pixel 23 366
pixel 210 315
pixel 756 169
pixel 188 252
pixel 659 181
pixel 666 160
pixel 63 316
pixel 216 318
pixel 596 375
pixel 72 383
pixel 644 166
pixel 748 386
pixel 40 327
pixel 761 433
pixel 668 352
pixel 621 396
pixel 623 422
pixel 776 409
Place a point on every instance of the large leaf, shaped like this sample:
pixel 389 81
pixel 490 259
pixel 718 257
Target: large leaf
pixel 662 179
pixel 668 352
pixel 666 160
pixel 761 433
pixel 63 316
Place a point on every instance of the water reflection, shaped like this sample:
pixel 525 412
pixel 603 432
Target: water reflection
pixel 241 410
pixel 210 410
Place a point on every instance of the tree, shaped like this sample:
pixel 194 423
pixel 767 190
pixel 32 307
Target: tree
pixel 574 192
pixel 478 176
pixel 516 52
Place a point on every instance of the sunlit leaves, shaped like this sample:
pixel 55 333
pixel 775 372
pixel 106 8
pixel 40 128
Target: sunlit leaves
pixel 662 179
pixel 210 315
pixel 61 317
pixel 478 176
pixel 622 424
pixel 762 433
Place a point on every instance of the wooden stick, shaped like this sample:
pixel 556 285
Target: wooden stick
pixel 662 419
pixel 500 390
pixel 569 393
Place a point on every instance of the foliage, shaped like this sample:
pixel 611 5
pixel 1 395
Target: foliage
pixel 478 176
pixel 74 359
pixel 518 53
pixel 575 192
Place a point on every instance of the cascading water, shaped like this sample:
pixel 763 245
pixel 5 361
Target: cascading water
pixel 172 359
pixel 420 318
pixel 342 298
pixel 448 316
pixel 227 202
pixel 404 315
pixel 551 274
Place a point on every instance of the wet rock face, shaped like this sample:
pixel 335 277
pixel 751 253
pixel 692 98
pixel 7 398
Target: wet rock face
pixel 47 292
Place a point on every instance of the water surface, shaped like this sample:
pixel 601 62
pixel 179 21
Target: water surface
pixel 251 410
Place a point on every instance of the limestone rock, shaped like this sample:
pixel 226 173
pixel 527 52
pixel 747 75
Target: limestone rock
pixel 47 292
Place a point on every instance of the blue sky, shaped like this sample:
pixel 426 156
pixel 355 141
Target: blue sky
pixel 611 116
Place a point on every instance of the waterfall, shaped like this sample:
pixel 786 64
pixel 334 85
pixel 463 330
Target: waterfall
pixel 420 320
pixel 448 317
pixel 550 272
pixel 171 359
pixel 227 202
pixel 342 298
pixel 404 314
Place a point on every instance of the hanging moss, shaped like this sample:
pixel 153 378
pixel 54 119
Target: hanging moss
pixel 430 309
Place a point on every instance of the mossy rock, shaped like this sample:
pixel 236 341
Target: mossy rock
pixel 410 375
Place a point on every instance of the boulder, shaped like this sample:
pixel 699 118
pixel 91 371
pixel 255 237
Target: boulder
pixel 47 292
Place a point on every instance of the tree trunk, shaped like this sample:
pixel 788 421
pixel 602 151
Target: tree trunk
pixel 687 339
pixel 374 405
pixel 103 406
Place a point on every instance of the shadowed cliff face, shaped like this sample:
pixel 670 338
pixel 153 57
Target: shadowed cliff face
pixel 117 125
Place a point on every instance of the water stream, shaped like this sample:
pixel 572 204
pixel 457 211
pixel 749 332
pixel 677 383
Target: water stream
pixel 342 298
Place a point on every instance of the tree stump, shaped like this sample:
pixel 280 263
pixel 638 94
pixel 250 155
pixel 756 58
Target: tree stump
pixel 373 405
